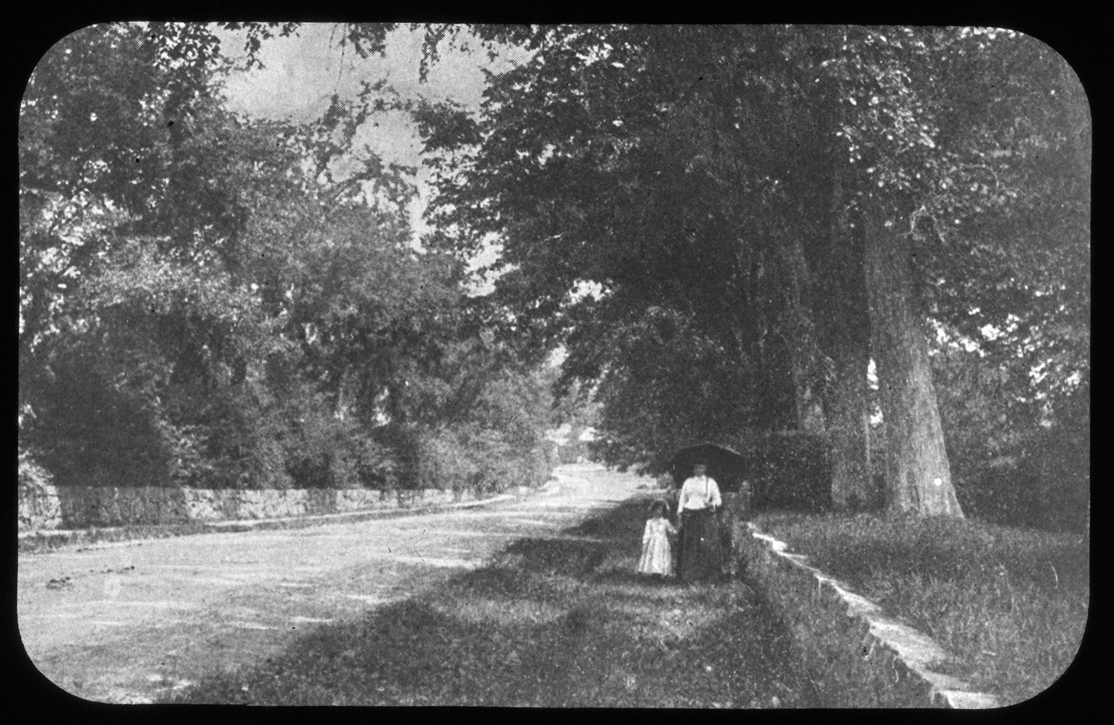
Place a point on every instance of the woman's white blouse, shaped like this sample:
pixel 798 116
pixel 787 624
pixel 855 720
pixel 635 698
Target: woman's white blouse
pixel 699 492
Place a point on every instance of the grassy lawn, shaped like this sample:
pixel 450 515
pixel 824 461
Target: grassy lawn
pixel 1010 603
pixel 551 623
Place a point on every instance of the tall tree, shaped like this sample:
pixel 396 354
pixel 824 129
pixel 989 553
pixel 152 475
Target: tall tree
pixel 844 314
pixel 948 137
pixel 698 167
pixel 221 301
pixel 703 210
pixel 918 473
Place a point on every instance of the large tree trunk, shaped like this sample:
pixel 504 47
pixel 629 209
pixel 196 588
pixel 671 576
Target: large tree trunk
pixel 801 336
pixel 918 479
pixel 847 408
pixel 847 338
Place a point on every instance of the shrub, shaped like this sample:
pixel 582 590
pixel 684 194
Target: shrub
pixel 238 434
pixel 1061 465
pixel 86 432
pixel 1012 462
pixel 444 462
pixel 500 443
pixel 31 476
pixel 323 451
pixel 1047 487
pixel 792 472
pixel 468 456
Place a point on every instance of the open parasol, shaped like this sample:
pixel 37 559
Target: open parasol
pixel 727 466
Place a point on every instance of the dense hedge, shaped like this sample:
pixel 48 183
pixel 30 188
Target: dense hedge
pixel 1042 479
pixel 480 460
pixel 791 471
pixel 1048 488
pixel 86 433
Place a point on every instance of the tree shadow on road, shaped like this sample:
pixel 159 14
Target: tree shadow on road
pixel 549 623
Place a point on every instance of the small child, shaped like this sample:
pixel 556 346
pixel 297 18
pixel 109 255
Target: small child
pixel 657 554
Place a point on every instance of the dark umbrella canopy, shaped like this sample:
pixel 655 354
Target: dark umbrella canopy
pixel 725 465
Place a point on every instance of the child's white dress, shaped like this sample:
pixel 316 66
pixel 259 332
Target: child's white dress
pixel 657 554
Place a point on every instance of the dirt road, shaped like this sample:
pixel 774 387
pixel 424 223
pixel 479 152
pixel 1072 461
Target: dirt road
pixel 548 622
pixel 132 621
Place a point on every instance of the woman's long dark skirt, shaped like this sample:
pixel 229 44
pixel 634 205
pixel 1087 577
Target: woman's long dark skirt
pixel 699 557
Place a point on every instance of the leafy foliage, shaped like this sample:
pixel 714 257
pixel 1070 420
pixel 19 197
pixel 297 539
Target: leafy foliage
pixel 666 200
pixel 1021 460
pixel 210 300
pixel 31 475
pixel 661 370
pixel 680 168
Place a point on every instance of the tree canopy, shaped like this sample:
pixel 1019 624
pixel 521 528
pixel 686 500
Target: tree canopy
pixel 727 177
pixel 214 300
pixel 721 226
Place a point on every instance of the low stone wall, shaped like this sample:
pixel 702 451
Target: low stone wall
pixel 854 654
pixel 72 507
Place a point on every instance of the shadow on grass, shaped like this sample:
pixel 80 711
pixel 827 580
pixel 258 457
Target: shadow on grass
pixel 563 558
pixel 550 623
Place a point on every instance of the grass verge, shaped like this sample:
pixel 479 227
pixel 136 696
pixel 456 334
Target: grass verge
pixel 1010 604
pixel 550 623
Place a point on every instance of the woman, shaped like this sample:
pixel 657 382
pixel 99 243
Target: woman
pixel 700 548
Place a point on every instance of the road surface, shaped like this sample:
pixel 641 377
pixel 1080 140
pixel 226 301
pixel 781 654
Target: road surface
pixel 127 622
